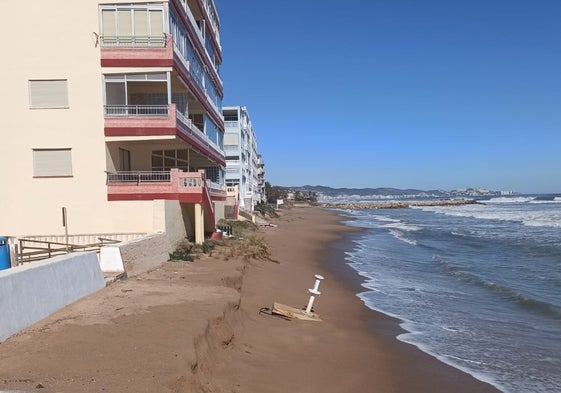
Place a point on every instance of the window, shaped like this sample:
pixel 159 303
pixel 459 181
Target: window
pixel 230 115
pixel 52 163
pixel 213 174
pixel 231 139
pixel 164 160
pixel 48 93
pixel 125 159
pixel 132 22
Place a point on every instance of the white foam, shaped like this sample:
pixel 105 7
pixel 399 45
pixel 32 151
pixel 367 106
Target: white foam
pixel 546 202
pixel 385 218
pixel 527 218
pixel 510 200
pixel 400 236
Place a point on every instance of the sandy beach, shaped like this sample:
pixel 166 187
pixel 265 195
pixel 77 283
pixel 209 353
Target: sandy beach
pixel 196 327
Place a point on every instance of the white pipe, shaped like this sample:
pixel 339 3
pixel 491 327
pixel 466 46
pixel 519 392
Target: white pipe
pixel 313 293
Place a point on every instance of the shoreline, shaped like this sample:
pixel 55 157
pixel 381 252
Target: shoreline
pixel 354 348
pixel 382 324
pixel 197 327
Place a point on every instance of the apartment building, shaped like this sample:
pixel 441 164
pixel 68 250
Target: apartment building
pixel 244 166
pixel 113 111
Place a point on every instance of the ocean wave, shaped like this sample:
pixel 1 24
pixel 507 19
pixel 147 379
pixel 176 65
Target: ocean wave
pixel 552 222
pixel 552 201
pixel 385 218
pixel 510 200
pixel 551 219
pixel 403 227
pixel 401 236
pixel 506 293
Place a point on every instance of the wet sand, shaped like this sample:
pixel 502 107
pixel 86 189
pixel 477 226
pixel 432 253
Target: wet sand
pixel 196 327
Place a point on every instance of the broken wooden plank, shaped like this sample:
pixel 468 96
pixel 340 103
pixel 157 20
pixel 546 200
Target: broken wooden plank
pixel 291 312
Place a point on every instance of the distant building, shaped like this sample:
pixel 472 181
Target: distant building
pixel 244 166
pixel 112 109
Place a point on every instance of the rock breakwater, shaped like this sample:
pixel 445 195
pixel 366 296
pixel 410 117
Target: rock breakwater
pixel 397 205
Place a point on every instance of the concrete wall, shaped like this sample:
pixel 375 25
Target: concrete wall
pixel 31 292
pixel 175 223
pixel 144 254
pixel 219 210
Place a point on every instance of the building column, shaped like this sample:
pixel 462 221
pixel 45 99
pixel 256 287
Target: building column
pixel 199 224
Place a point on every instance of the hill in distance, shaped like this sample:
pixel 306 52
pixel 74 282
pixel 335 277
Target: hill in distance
pixel 388 192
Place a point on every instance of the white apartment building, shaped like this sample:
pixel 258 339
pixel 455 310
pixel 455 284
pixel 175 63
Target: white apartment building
pixel 244 166
pixel 112 110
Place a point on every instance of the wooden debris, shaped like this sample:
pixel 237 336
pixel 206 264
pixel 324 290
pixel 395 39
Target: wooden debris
pixel 291 312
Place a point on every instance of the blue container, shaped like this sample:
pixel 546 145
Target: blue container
pixel 4 253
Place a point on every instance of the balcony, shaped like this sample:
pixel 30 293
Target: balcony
pixel 158 120
pixel 136 51
pixel 187 187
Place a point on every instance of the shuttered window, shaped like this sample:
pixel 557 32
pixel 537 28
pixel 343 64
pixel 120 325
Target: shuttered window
pixel 141 23
pixel 124 23
pixel 52 163
pixel 156 23
pixel 127 22
pixel 109 25
pixel 48 93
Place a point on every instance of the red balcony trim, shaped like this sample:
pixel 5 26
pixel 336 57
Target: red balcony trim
pixel 217 198
pixel 217 49
pixel 139 131
pixel 200 48
pixel 138 57
pixel 209 153
pixel 186 76
pixel 136 62
pixel 181 197
pixel 150 131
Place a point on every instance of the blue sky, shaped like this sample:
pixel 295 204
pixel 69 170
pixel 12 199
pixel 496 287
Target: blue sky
pixel 433 94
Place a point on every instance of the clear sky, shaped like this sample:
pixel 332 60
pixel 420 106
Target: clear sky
pixel 432 94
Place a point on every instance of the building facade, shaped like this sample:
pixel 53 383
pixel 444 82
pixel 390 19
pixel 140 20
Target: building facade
pixel 244 166
pixel 114 112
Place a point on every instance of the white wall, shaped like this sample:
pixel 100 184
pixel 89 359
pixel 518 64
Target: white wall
pixel 31 292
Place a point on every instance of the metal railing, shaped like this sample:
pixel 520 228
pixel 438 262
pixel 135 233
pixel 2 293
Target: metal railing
pixel 136 110
pixel 133 41
pixel 196 131
pixel 215 186
pixel 31 250
pixel 138 177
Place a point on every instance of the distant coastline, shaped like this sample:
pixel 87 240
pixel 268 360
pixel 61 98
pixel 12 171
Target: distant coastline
pixel 397 205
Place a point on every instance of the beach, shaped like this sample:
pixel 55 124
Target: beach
pixel 197 327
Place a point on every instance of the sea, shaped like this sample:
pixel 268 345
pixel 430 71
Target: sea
pixel 477 286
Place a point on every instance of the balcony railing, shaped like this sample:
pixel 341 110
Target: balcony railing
pixel 136 110
pixel 138 177
pixel 133 41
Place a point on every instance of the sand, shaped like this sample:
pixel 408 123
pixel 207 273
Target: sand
pixel 197 327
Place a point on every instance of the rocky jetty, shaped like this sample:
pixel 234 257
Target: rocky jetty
pixel 397 205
